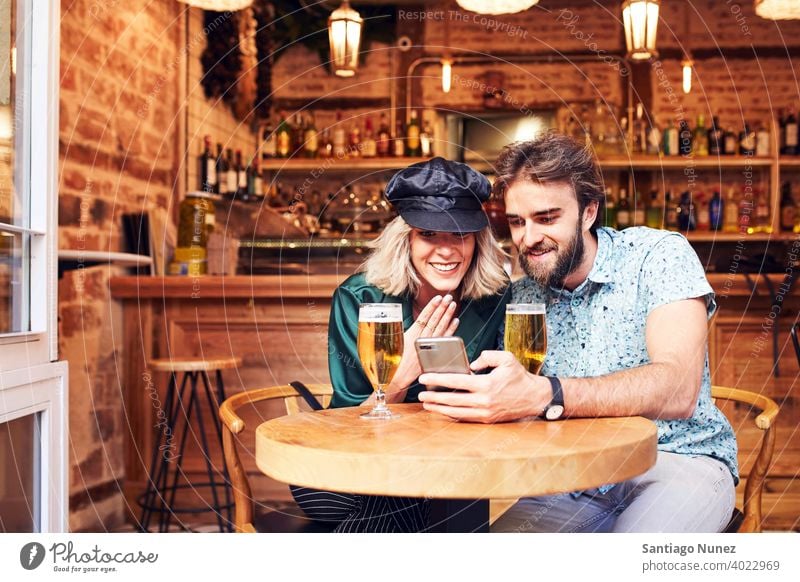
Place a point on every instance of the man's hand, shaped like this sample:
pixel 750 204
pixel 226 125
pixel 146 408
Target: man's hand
pixel 507 393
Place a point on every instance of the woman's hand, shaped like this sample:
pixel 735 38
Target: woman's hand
pixel 436 320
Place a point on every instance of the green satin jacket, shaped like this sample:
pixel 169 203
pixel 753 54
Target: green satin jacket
pixel 480 321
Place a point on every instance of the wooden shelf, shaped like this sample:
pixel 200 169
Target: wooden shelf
pixel 323 165
pixel 789 162
pixel 671 162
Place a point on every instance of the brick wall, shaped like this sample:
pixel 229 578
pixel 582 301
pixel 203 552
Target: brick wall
pixel 119 153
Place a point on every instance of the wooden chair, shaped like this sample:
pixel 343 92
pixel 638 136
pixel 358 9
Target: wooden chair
pixel 749 518
pixel 246 519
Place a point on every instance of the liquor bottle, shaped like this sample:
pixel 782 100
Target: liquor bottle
pixel 354 140
pixel 655 215
pixel 399 142
pixel 670 212
pixel 762 222
pixel 339 138
pixel 790 132
pixel 298 129
pixel 623 210
pixel 715 211
pixel 384 137
pixel 671 139
pixel 208 167
pixel 426 141
pixel 413 147
pixel 747 141
pixel 639 210
pixel 762 141
pixel 258 180
pixel 685 139
pixel 781 131
pixel 687 218
pixel 746 218
pixel 730 143
pixel 369 148
pixel 284 138
pixel 610 218
pixel 222 171
pixel 703 214
pixel 700 137
pixel 265 182
pixel 788 208
pixel 731 213
pixel 231 178
pixel 325 144
pixel 716 138
pixel 639 131
pixel 241 176
pixel 653 140
pixel 269 148
pixel 311 138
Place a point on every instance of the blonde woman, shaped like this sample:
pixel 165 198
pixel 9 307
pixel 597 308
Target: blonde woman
pixel 441 261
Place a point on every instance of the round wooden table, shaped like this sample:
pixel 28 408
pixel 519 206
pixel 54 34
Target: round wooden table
pixel 422 454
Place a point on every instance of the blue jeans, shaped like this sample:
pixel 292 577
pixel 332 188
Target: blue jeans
pixel 679 493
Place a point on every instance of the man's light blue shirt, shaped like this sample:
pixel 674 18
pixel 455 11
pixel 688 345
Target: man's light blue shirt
pixel 599 328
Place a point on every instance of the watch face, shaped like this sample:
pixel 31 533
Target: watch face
pixel 554 412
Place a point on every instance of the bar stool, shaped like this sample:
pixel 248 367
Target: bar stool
pixel 175 424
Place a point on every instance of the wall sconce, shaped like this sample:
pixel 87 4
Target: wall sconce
pixel 219 5
pixel 688 66
pixel 778 9
pixel 344 33
pixel 496 6
pixel 640 18
pixel 447 74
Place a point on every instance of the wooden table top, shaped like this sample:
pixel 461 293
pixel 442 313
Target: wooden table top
pixel 422 454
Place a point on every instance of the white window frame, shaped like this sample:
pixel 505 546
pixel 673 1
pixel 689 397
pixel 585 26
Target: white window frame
pixel 31 381
pixel 39 156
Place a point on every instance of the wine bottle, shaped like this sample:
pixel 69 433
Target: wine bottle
pixel 208 167
pixel 623 210
pixel 413 147
pixel 700 137
pixel 384 137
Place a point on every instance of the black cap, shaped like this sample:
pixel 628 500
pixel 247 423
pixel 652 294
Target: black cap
pixel 440 195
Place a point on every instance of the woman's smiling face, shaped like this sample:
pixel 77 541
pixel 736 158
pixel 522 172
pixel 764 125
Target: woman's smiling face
pixel 441 259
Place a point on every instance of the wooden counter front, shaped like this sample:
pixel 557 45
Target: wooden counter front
pixel 278 326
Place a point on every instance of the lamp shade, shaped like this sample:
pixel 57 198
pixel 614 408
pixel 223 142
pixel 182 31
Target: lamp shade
pixel 219 5
pixel 344 33
pixel 640 18
pixel 496 6
pixel 778 9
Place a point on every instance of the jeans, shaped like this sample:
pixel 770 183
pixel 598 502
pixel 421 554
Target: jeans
pixel 679 493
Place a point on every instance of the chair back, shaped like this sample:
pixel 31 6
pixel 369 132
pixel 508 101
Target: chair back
pixel 765 422
pixel 233 424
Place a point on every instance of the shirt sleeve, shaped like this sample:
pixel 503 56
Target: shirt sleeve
pixel 350 385
pixel 672 272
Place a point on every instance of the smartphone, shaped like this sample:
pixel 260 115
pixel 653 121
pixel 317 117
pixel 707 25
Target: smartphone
pixel 445 355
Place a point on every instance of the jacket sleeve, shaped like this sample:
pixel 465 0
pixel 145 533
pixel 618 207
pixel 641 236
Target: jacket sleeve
pixel 350 385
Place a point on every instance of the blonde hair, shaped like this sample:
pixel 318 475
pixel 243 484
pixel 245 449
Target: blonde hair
pixel 389 266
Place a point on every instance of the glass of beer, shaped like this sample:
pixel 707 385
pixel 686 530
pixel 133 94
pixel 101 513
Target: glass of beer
pixel 526 334
pixel 380 347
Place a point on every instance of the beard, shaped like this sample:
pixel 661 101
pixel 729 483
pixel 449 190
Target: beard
pixel 567 261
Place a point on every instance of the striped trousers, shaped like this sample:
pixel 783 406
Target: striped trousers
pixel 364 513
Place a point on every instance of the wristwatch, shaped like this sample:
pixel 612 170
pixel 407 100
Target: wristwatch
pixel 555 409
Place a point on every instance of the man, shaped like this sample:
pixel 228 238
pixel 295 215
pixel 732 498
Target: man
pixel 626 332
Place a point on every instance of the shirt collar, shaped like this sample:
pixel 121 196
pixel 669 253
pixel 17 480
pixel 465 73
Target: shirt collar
pixel 602 269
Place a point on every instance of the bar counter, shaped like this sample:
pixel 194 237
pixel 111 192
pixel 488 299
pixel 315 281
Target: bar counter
pixel 278 326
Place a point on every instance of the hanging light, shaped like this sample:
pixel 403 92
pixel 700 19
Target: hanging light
pixel 778 9
pixel 219 5
pixel 344 33
pixel 496 6
pixel 688 65
pixel 447 74
pixel 640 18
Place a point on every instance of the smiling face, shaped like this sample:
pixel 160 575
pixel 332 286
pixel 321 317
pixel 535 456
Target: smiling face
pixel 547 230
pixel 441 259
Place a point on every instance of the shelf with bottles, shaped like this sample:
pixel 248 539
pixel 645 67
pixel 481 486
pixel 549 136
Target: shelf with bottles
pixel 339 164
pixel 655 162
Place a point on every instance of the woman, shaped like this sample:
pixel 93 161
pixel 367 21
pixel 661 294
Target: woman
pixel 440 260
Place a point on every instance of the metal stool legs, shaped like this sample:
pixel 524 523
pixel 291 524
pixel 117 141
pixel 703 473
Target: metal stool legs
pixel 166 467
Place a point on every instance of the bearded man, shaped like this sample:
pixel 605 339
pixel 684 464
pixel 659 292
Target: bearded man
pixel 627 317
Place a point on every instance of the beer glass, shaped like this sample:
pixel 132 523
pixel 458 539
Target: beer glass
pixel 380 347
pixel 526 334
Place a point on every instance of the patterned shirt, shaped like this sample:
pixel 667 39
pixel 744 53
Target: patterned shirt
pixel 599 328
